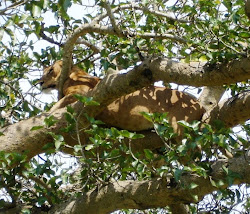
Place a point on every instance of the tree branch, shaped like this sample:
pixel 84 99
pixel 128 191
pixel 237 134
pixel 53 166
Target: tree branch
pixel 211 96
pixel 94 48
pixel 112 17
pixel 196 74
pixel 233 111
pixel 131 194
pixel 48 39
pixel 157 36
pixel 160 13
pixel 19 138
pixel 13 6
pixel 141 8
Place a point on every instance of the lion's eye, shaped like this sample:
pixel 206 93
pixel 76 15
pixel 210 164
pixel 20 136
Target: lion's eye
pixel 50 70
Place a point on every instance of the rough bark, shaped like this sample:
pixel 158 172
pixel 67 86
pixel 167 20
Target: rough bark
pixel 234 111
pixel 131 194
pixel 247 8
pixel 211 96
pixel 196 74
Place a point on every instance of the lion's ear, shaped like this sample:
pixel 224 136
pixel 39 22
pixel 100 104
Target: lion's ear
pixel 59 62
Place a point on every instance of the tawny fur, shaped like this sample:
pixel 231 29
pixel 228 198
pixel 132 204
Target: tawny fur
pixel 124 112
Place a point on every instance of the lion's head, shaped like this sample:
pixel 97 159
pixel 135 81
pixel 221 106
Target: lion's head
pixel 51 75
pixel 78 81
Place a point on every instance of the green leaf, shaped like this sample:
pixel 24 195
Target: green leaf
pixel 137 136
pixel 195 197
pixel 193 186
pixel 45 4
pixel 36 128
pixel 213 183
pixel 184 123
pixel 88 101
pixel 69 117
pixel 160 128
pixel 70 109
pixel 66 4
pixel 177 174
pixel 147 116
pixel 58 144
pixel 77 148
pixel 50 121
pixel 36 10
pixel 41 200
pixel 149 154
pixel 89 147
pixel 225 169
pixel 1 33
pixel 182 149
pixel 126 134
pixel 52 29
pixel 26 106
pixel 106 64
pixel 244 34
pixel 48 146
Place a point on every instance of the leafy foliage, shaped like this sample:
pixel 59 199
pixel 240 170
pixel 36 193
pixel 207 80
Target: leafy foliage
pixel 214 31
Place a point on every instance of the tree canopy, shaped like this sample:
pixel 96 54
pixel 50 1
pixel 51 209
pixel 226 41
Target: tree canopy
pixel 195 45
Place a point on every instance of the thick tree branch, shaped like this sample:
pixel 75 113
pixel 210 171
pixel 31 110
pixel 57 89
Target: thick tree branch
pixel 211 96
pixel 233 111
pixel 19 138
pixel 196 74
pixel 131 194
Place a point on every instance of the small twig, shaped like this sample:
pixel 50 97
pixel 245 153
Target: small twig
pixel 161 36
pixel 112 18
pixel 88 57
pixel 135 158
pixel 229 46
pixel 14 89
pixel 14 5
pixel 137 7
pixel 48 39
pixel 87 43
pixel 161 14
pixel 41 183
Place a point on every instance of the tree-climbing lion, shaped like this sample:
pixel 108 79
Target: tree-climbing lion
pixel 124 112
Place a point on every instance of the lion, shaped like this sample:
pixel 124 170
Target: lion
pixel 125 112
